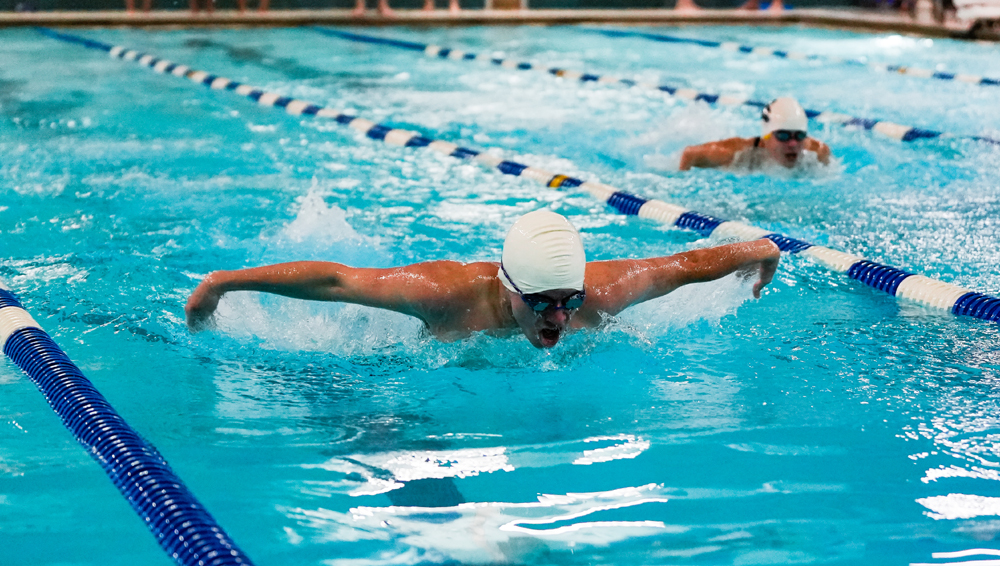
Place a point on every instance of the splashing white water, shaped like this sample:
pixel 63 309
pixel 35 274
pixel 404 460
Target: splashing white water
pixel 708 302
pixel 290 324
pixel 316 222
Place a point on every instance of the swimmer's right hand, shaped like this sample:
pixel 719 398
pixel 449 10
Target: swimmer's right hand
pixel 768 265
pixel 201 305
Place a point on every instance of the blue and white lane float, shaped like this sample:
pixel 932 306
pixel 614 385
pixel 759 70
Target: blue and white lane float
pixel 179 522
pixel 895 131
pixel 770 52
pixel 896 282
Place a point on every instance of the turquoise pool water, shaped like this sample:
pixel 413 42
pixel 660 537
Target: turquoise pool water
pixel 826 423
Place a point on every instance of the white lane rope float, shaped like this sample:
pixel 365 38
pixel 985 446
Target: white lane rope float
pixel 180 524
pixel 897 132
pixel 782 54
pixel 892 280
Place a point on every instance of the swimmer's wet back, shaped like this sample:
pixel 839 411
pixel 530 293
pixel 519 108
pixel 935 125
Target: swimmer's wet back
pixel 699 427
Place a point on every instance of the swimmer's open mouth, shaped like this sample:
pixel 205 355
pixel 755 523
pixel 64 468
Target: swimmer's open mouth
pixel 549 336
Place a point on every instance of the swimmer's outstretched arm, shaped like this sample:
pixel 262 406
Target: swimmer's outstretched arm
pixel 712 154
pixel 409 290
pixel 619 284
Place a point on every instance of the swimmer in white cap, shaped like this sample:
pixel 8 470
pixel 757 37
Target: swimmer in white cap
pixel 783 139
pixel 542 287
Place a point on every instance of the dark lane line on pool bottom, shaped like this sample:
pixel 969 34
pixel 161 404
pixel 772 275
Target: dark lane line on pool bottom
pixel 288 67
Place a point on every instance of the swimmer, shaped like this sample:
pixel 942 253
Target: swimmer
pixel 542 287
pixel 784 139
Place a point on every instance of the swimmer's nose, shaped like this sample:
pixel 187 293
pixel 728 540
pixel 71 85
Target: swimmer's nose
pixel 557 316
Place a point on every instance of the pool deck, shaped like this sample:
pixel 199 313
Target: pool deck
pixel 866 20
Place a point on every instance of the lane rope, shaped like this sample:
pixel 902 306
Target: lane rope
pixel 180 524
pixel 770 52
pixel 895 131
pixel 896 282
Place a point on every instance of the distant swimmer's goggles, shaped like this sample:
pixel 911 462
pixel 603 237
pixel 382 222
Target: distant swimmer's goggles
pixel 785 135
pixel 540 303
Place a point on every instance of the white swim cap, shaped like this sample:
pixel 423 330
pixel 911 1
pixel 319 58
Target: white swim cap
pixel 784 114
pixel 543 252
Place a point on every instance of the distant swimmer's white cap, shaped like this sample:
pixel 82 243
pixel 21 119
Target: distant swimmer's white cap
pixel 543 252
pixel 784 114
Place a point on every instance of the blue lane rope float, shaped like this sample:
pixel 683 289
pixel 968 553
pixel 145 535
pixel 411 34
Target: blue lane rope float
pixel 896 282
pixel 179 522
pixel 895 131
pixel 770 52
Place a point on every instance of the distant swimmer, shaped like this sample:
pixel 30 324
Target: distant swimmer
pixel 542 287
pixel 785 136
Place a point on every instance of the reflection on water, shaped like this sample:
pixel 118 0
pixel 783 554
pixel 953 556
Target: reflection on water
pixel 960 506
pixel 385 472
pixel 425 499
pixel 508 532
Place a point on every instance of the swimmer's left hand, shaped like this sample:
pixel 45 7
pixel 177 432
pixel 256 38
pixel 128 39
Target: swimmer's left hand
pixel 201 305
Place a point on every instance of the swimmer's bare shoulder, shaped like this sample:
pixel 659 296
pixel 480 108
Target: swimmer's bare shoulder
pixel 713 154
pixel 454 298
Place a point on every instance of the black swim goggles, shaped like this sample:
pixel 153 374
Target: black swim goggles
pixel 540 303
pixel 785 135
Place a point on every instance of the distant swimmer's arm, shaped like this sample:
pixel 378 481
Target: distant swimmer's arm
pixel 622 283
pixel 713 154
pixel 822 150
pixel 400 289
